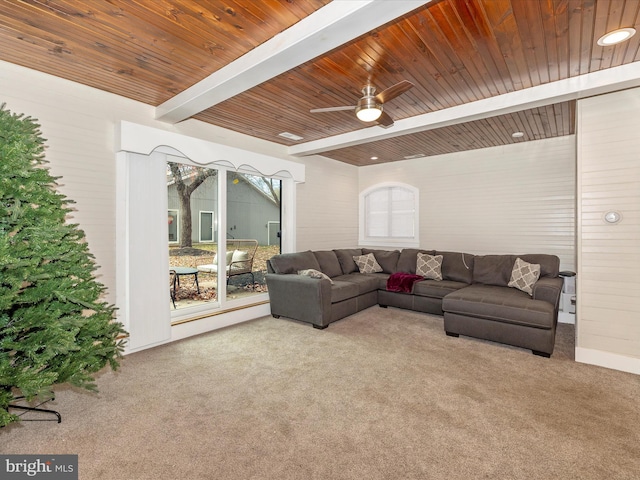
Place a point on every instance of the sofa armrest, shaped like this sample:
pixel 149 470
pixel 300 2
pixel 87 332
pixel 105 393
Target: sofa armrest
pixel 549 290
pixel 300 297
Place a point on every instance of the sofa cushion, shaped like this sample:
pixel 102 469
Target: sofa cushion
pixel 380 279
pixel 457 266
pixel 408 259
pixel 429 266
pixel 239 256
pixel 496 269
pixel 329 263
pixel 365 283
pixel 345 257
pixel 229 257
pixel 524 275
pixel 310 272
pixel 492 269
pixel 343 291
pixel 387 259
pixel 213 266
pixel 293 262
pixel 437 288
pixel 500 304
pixel 367 263
pixel 549 264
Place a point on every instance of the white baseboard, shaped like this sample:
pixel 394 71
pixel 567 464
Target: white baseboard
pixel 608 360
pixel 208 324
pixel 214 322
pixel 564 317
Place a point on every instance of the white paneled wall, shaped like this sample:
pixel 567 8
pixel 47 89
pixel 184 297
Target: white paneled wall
pixel 327 207
pixel 608 309
pixel 513 199
pixel 78 124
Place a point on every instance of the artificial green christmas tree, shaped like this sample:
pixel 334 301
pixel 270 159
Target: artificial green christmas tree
pixel 54 326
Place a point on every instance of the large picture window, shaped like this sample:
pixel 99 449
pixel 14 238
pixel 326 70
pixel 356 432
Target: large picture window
pixel 145 183
pixel 389 215
pixel 198 278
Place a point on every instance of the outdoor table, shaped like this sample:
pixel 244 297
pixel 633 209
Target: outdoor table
pixel 179 272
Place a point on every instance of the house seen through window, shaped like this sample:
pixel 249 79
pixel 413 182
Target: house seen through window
pixel 222 227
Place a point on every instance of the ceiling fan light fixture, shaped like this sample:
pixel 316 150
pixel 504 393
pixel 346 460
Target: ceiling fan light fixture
pixel 368 110
pixel 616 36
pixel 370 114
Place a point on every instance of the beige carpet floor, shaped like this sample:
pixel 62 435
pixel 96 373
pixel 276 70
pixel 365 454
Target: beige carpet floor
pixel 383 394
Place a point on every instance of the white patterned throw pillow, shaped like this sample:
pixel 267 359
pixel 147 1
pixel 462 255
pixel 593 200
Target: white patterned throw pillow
pixel 524 275
pixel 429 266
pixel 310 272
pixel 367 263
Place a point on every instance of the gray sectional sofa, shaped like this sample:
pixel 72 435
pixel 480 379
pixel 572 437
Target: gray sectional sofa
pixel 473 295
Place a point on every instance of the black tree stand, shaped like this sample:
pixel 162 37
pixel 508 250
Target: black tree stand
pixel 38 409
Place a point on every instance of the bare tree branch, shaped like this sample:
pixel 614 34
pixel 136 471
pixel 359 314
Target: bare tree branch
pixel 187 179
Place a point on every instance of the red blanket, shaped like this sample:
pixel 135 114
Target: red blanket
pixel 402 282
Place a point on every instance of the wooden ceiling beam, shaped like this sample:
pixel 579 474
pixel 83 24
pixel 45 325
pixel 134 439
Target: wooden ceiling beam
pixel 329 27
pixel 597 83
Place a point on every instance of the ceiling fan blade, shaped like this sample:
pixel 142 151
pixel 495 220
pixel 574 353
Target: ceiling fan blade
pixel 393 91
pixel 332 109
pixel 385 120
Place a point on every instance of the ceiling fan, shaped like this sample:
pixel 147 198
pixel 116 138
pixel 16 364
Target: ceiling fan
pixel 370 107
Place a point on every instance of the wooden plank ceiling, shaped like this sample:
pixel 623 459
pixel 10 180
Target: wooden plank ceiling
pixel 453 51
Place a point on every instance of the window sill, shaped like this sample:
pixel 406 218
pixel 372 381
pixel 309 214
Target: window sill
pixel 389 243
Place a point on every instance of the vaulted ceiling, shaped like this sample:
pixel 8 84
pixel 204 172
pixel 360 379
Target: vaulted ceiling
pixel 481 69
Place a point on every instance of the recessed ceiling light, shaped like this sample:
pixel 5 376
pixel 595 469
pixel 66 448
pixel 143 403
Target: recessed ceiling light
pixel 517 134
pixel 415 155
pixel 374 158
pixel 290 136
pixel 617 36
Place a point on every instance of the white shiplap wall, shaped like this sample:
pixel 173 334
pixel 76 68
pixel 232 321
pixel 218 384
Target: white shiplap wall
pixel 608 311
pixel 513 199
pixel 327 206
pixel 78 124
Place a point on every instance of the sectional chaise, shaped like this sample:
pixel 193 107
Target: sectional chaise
pixel 511 299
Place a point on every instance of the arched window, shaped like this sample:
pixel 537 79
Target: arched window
pixel 389 215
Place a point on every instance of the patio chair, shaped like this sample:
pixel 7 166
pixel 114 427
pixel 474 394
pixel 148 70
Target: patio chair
pixel 240 256
pixel 172 286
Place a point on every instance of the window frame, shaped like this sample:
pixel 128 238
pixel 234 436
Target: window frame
pixel 176 218
pixel 142 256
pixel 223 303
pixel 388 240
